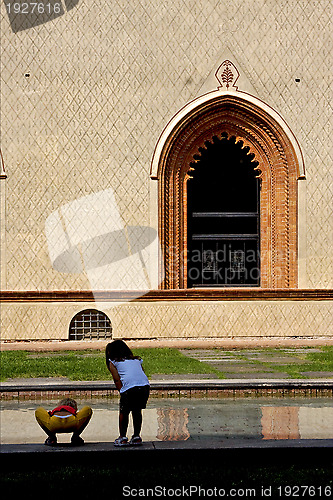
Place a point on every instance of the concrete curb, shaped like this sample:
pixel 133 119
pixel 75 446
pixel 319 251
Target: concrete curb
pixel 153 446
pixel 177 385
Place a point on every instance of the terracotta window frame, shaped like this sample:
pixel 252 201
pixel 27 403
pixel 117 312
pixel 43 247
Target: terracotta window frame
pixel 281 164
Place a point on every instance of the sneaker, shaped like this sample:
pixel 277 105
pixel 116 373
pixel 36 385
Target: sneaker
pixel 135 441
pixel 51 441
pixel 121 441
pixel 77 441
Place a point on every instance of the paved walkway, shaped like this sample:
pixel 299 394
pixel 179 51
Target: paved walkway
pixel 258 364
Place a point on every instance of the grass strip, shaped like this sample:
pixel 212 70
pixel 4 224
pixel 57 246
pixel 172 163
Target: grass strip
pixel 90 364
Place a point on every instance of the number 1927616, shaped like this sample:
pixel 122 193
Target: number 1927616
pixel 34 8
pixel 305 491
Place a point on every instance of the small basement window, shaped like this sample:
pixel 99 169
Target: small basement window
pixel 90 324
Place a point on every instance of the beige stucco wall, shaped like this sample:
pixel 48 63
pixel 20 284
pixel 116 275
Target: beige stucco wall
pixel 106 78
pixel 218 319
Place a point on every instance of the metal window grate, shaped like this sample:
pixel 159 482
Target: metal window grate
pixel 90 324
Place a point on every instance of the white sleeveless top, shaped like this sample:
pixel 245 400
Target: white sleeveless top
pixel 131 373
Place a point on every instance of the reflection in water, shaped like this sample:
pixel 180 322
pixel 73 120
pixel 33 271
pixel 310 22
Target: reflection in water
pixel 299 422
pixel 280 422
pixel 183 419
pixel 172 424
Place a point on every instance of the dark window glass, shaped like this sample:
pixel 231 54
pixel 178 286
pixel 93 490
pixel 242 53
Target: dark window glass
pixel 223 216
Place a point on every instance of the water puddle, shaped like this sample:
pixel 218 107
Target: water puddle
pixel 184 418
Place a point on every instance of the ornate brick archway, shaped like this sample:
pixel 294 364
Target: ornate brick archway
pixel 279 168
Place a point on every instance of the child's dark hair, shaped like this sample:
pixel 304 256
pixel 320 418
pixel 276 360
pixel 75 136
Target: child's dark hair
pixel 118 351
pixel 68 402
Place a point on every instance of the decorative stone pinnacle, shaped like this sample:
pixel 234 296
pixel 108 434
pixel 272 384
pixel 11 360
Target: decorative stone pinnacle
pixel 227 75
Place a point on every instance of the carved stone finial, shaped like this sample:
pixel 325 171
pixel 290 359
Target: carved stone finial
pixel 227 75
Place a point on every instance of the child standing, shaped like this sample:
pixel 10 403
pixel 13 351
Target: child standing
pixel 133 385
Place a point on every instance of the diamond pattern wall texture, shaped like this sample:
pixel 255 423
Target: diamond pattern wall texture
pixel 104 80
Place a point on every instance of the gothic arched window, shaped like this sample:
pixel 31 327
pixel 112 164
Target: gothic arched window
pixel 209 159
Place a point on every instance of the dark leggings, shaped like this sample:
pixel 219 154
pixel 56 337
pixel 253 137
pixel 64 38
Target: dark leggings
pixel 123 421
